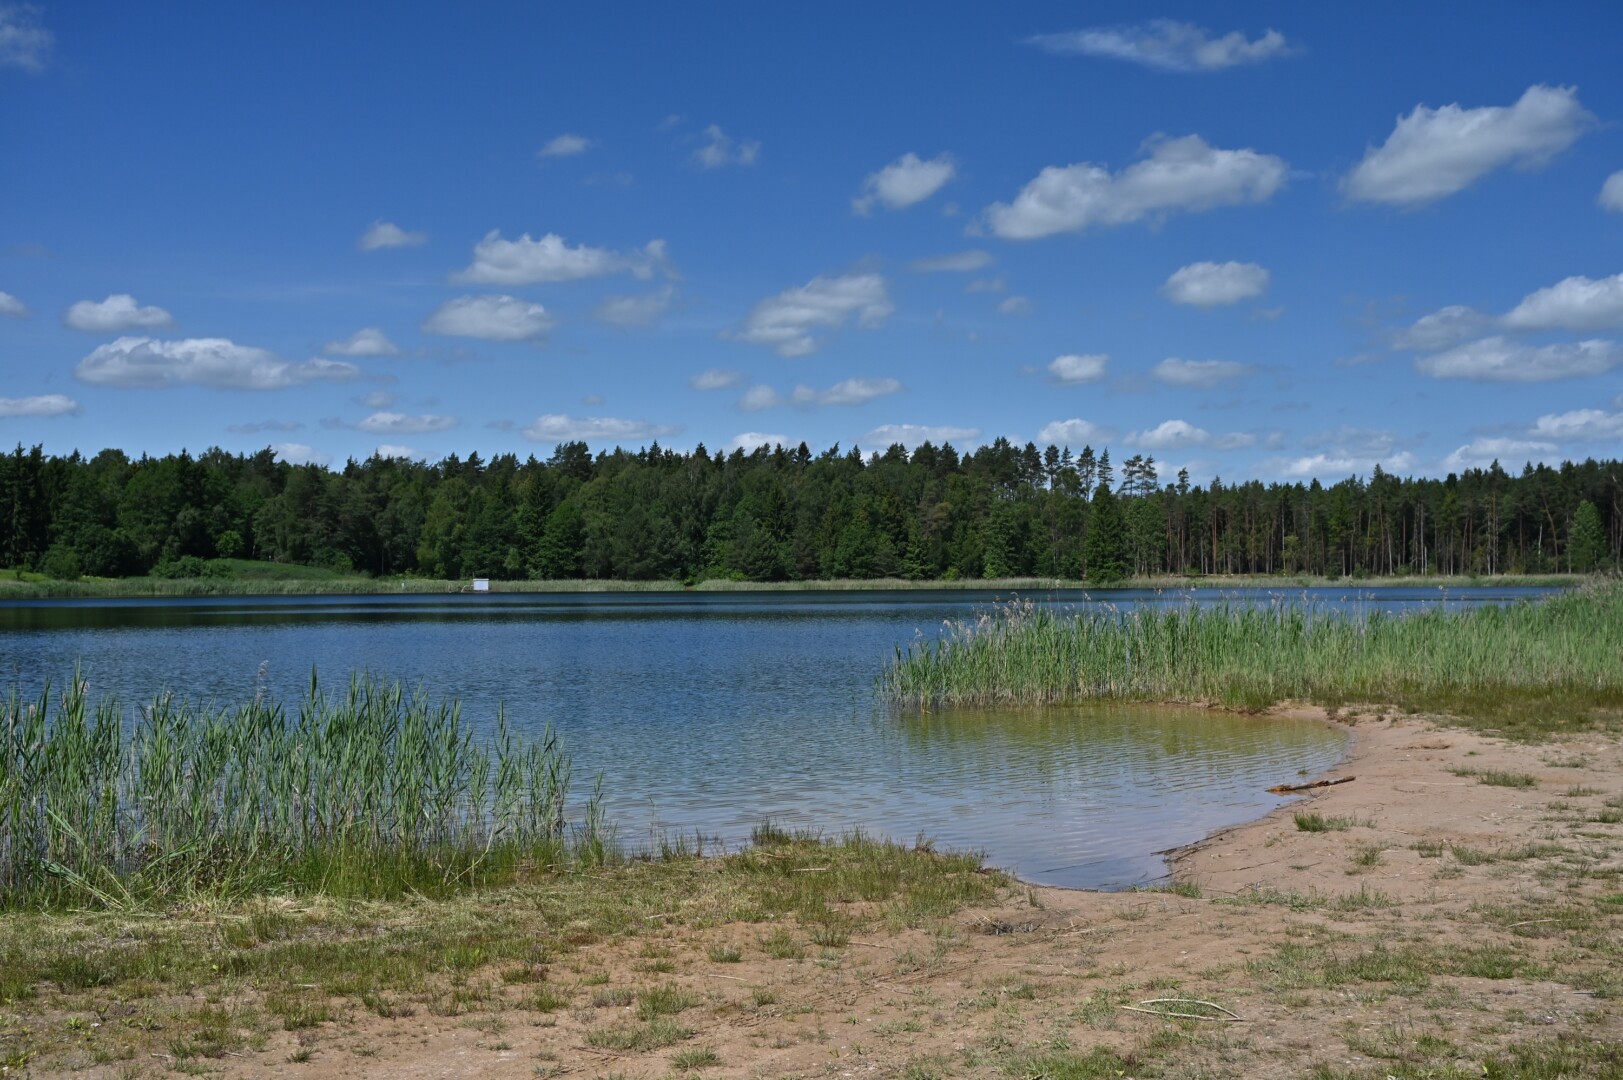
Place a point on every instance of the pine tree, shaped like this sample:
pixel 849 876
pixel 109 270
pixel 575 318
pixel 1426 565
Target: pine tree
pixel 1586 547
pixel 1105 550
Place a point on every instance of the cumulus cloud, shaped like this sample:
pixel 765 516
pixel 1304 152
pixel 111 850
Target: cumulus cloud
pixel 257 427
pixel 11 307
pixel 41 405
pixel 757 398
pixel 1442 328
pixel 115 314
pixel 299 454
pixel 1209 284
pixel 1481 453
pixel 846 392
pixel 1336 464
pixel 565 145
pixel 24 41
pixel 906 181
pixel 750 441
pixel 1183 174
pixel 1074 430
pixel 1434 153
pixel 958 262
pixel 642 310
pixel 526 262
pixel 1580 425
pixel 1496 359
pixel 1079 368
pixel 395 450
pixel 721 150
pixel 376 399
pixel 787 321
pixel 1180 435
pixel 911 435
pixel 386 234
pixel 1203 374
pixel 716 379
pixel 370 341
pixel 1166 45
pixel 1611 193
pixel 1016 305
pixel 1351 441
pixel 490 318
pixel 217 362
pixel 393 423
pixel 556 427
pixel 1576 303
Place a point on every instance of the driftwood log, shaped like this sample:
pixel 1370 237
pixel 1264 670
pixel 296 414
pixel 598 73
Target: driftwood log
pixel 1291 789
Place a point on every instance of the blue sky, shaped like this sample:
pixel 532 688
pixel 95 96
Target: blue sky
pixel 1272 241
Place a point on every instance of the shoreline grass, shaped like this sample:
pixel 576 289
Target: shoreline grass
pixel 309 581
pixel 373 793
pixel 1561 652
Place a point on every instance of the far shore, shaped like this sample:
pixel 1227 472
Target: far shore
pixel 33 586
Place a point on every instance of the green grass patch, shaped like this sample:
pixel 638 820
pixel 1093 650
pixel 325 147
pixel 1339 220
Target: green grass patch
pixel 1314 822
pixel 1499 777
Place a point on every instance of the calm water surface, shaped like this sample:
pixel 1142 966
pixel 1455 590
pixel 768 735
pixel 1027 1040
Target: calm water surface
pixel 708 713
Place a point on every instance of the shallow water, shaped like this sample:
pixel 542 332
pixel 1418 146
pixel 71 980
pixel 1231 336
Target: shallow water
pixel 709 713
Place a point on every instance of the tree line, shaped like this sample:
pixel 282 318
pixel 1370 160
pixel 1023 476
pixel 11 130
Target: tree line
pixel 780 513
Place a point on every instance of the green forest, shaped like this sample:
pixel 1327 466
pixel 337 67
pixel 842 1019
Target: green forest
pixel 785 514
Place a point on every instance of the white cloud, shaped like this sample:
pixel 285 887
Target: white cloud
pixel 750 441
pixel 1480 453
pixel 1166 45
pixel 1204 374
pixel 1180 435
pixel 1434 153
pixel 1611 193
pixel 377 399
pixel 635 311
pixel 218 362
pixel 785 322
pixel 1496 359
pixel 526 262
pixel 555 427
pixel 721 150
pixel 1077 431
pixel 42 405
pixel 370 341
pixel 1016 305
pixel 1182 174
pixel 716 379
pixel 904 182
pixel 393 423
pixel 115 314
pixel 757 398
pixel 1583 425
pixel 1209 284
pixel 1338 465
pixel 11 307
pixel 24 41
pixel 386 234
pixel 1350 441
pixel 1074 368
pixel 1576 303
pixel 846 392
pixel 958 262
pixel 911 435
pixel 395 450
pixel 565 145
pixel 986 285
pixel 491 318
pixel 299 454
pixel 1442 328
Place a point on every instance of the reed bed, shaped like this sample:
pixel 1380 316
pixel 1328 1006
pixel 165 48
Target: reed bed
pixel 374 792
pixel 1252 656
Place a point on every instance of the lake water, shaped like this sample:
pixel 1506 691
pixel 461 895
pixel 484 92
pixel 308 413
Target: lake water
pixel 710 712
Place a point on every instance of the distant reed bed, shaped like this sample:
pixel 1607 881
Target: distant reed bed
pixel 1247 656
pixel 376 791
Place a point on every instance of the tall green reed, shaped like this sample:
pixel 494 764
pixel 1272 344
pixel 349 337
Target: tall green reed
pixel 1252 656
pixel 376 791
